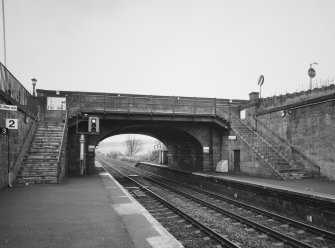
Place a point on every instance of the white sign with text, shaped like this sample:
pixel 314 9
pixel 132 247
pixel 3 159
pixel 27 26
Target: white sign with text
pixel 12 123
pixel 8 107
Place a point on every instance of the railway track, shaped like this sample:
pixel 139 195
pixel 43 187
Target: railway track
pixel 259 227
pixel 186 229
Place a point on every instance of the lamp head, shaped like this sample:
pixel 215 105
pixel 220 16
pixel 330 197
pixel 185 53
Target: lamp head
pixel 34 80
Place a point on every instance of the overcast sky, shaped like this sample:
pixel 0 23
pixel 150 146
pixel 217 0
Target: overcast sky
pixel 211 48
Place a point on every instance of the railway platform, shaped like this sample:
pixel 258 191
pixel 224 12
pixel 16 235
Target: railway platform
pixel 90 211
pixel 320 188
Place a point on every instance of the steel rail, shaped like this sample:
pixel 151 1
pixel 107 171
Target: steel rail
pixel 295 223
pixel 212 234
pixel 266 230
pixel 263 229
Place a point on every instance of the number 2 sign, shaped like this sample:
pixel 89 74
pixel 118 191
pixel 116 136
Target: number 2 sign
pixel 11 123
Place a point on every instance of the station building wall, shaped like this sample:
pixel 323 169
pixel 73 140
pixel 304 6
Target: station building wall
pixel 16 141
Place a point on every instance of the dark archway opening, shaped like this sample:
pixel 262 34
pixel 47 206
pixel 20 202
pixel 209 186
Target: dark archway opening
pixel 183 150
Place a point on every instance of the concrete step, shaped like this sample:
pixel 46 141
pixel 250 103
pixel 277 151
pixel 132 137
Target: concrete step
pixel 38 173
pixel 52 130
pixel 39 167
pixel 38 180
pixel 47 138
pixel 53 153
pixel 44 147
pixel 43 150
pixel 49 175
pixel 39 160
pixel 290 170
pixel 44 156
pixel 49 130
pixel 49 134
pixel 39 164
pixel 45 143
pixel 45 124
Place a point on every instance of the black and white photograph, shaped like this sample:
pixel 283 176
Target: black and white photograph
pixel 167 124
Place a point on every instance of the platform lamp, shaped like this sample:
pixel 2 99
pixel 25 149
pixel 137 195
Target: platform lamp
pixel 33 81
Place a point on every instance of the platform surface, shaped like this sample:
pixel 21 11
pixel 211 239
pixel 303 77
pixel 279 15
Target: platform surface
pixel 85 212
pixel 318 187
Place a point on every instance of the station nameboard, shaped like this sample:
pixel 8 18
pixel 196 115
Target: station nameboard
pixel 8 107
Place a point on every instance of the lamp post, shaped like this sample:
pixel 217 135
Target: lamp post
pixel 311 74
pixel 33 81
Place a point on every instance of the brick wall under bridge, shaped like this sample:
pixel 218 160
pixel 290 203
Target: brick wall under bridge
pixel 184 136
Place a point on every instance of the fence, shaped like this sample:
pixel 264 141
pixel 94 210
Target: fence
pixel 11 87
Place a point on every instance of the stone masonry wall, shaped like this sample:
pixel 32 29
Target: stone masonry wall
pixel 16 140
pixel 312 130
pixel 308 127
pixel 297 97
pixel 250 163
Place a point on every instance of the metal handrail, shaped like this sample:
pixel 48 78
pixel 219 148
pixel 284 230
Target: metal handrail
pixel 259 138
pixel 63 134
pixel 61 153
pixel 27 141
pixel 262 139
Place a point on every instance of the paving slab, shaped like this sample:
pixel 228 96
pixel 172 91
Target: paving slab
pixel 84 212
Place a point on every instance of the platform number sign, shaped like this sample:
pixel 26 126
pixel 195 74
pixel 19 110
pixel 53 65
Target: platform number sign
pixel 3 131
pixel 11 123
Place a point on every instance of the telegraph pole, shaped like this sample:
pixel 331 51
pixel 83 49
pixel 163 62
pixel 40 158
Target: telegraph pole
pixel 4 32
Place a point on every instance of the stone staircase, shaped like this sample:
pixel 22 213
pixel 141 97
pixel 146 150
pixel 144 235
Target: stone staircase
pixel 284 167
pixel 40 164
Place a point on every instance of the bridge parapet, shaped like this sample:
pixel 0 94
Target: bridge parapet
pixel 105 103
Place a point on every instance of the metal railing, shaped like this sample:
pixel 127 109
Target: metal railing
pixel 12 88
pixel 26 143
pixel 237 122
pixel 62 152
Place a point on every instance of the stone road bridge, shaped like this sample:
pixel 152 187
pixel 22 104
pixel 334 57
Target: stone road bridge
pixel 194 130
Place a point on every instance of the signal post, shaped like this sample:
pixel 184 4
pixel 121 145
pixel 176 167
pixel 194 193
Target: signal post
pixel 86 155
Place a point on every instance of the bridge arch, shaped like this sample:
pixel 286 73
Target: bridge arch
pixel 185 139
pixel 185 150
